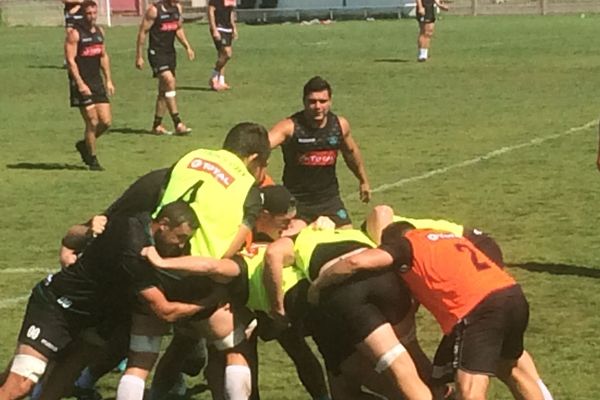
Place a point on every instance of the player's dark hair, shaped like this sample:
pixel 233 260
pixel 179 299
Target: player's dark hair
pixel 316 84
pixel 179 212
pixel 88 3
pixel 248 138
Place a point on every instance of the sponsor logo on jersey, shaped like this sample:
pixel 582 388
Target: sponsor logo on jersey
pixel 333 140
pixel 307 140
pixel 229 3
pixel 64 302
pixel 214 169
pixel 169 26
pixel 318 158
pixel 92 51
pixel 434 237
pixel 49 345
pixel 33 332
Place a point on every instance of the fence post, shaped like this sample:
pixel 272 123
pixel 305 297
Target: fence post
pixel 473 7
pixel 543 5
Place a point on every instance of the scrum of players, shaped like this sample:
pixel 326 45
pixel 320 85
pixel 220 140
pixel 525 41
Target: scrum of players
pixel 211 249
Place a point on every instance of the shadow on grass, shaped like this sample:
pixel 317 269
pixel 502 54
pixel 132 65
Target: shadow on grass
pixel 47 166
pixel 195 88
pixel 558 269
pixel 130 131
pixel 391 60
pixel 46 67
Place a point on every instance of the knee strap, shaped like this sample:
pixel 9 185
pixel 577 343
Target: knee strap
pixel 386 360
pixel 29 367
pixel 170 94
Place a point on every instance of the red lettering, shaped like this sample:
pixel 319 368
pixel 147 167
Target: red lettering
pixel 318 158
pixel 169 26
pixel 92 51
pixel 213 169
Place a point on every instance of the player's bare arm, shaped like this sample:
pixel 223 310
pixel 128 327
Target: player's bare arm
pixel 166 310
pixel 222 271
pixel 354 161
pixel 78 236
pixel 70 53
pixel 238 241
pixel 281 132
pixel 180 35
pixel 442 5
pixel 279 254
pixel 145 26
pixel 370 259
pixel 420 7
pixel 234 24
pixel 105 67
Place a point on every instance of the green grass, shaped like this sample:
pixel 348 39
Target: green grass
pixel 492 82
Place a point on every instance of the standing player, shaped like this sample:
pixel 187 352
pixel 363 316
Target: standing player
pixel 310 140
pixel 86 56
pixel 426 17
pixel 163 20
pixel 223 29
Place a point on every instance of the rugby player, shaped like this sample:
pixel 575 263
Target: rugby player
pixel 310 141
pixel 425 15
pixel 96 292
pixel 475 301
pixel 163 20
pixel 86 56
pixel 223 30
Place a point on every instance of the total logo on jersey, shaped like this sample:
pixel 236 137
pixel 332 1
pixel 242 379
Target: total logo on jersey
pixel 92 51
pixel 434 237
pixel 214 169
pixel 169 26
pixel 318 158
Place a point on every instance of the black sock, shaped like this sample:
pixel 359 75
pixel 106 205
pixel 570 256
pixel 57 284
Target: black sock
pixel 176 119
pixel 157 121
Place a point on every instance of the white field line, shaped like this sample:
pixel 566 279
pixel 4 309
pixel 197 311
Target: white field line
pixel 7 303
pixel 487 156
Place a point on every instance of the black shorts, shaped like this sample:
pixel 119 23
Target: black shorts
pixel 353 310
pixel 429 15
pixel 46 327
pixel 98 94
pixel 225 41
pixel 491 332
pixel 333 208
pixel 161 62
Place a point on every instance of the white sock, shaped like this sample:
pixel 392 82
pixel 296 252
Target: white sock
pixel 222 79
pixel 544 389
pixel 238 382
pixel 130 387
pixel 214 74
pixel 423 53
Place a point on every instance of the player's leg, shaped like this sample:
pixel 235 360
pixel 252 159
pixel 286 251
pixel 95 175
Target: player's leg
pixel 144 346
pixel 225 54
pixel 104 112
pixel 167 85
pixel 26 368
pixel 425 34
pixel 170 365
pixel 307 365
pixel 89 115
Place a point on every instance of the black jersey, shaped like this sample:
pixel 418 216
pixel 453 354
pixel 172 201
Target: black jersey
pixel 109 271
pixel 90 49
pixel 162 31
pixel 310 157
pixel 223 11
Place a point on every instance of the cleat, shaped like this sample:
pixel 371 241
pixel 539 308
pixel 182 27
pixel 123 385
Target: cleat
pixel 182 130
pixel 160 131
pixel 94 165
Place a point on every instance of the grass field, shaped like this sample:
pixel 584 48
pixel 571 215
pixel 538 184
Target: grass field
pixel 497 131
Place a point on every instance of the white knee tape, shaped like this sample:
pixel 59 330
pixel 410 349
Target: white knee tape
pixel 170 93
pixel 145 344
pixel 236 337
pixel 388 358
pixel 29 367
